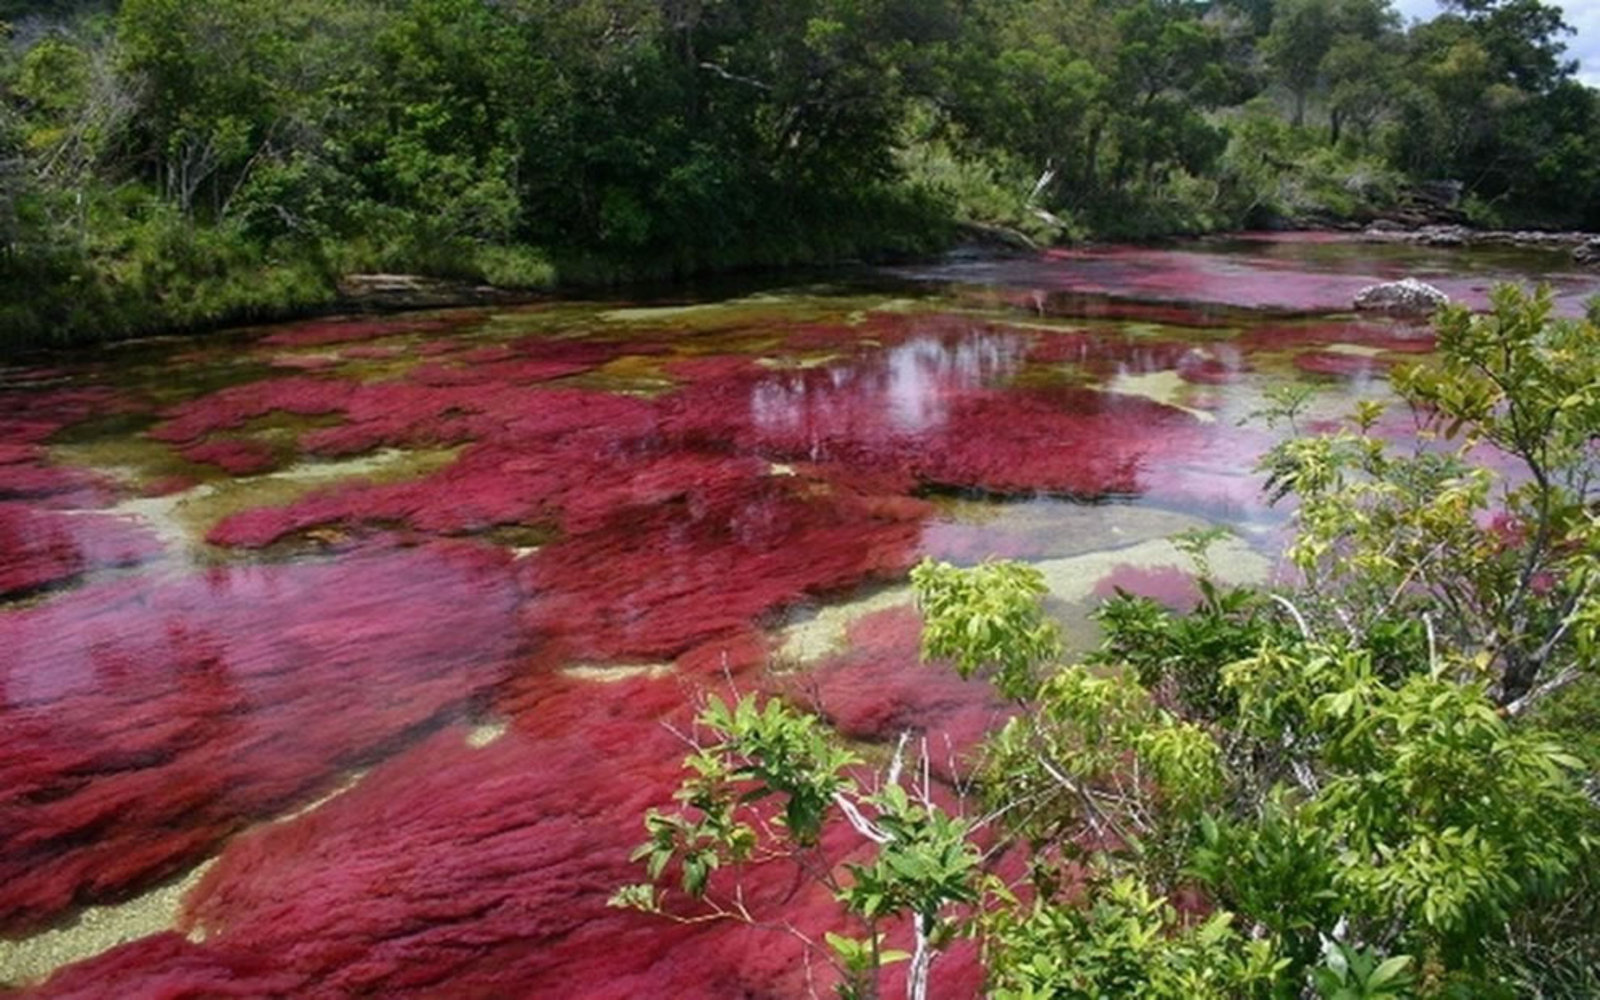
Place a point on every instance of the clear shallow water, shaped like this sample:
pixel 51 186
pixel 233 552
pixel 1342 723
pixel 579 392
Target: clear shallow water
pixel 1288 272
pixel 475 559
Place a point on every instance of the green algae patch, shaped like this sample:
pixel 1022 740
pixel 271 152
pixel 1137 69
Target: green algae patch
pixel 134 460
pixel 1056 375
pixel 800 362
pixel 522 539
pixel 485 733
pixel 1165 387
pixel 94 930
pixel 660 314
pixel 635 375
pixel 612 673
pixel 1356 350
pixel 185 518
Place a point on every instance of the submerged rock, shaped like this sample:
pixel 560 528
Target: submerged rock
pixel 1405 296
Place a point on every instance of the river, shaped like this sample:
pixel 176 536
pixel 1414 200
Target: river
pixel 343 656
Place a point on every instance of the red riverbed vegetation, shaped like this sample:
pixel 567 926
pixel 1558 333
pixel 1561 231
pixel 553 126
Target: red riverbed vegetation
pixel 151 721
pixel 145 721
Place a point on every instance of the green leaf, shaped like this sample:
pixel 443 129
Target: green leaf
pixel 1390 969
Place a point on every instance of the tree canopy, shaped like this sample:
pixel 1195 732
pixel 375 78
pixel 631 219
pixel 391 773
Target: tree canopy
pixel 169 163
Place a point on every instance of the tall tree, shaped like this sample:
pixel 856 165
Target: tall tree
pixel 1302 33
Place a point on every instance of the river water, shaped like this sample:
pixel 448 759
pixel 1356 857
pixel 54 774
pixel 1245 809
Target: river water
pixel 344 657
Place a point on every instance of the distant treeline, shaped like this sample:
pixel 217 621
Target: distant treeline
pixel 166 163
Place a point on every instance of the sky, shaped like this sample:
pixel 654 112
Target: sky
pixel 1581 14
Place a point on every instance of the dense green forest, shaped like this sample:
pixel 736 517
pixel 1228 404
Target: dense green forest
pixel 170 164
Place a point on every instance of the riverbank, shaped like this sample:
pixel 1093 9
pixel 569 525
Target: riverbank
pixel 270 295
pixel 1584 247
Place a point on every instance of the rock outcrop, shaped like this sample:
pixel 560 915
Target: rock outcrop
pixel 1408 296
pixel 1388 231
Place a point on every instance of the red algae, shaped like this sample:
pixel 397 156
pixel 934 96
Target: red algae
pixel 879 688
pixel 303 363
pixel 1064 440
pixel 1072 441
pixel 484 873
pixel 26 481
pixel 31 416
pixel 1217 367
pixel 727 656
pixel 233 407
pixel 1166 585
pixel 1337 365
pixel 41 548
pixel 551 446
pixel 169 966
pixel 665 578
pixel 1396 337
pixel 236 456
pixel 145 722
pixel 927 410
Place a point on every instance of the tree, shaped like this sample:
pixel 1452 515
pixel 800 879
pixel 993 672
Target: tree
pixel 1301 35
pixel 1500 570
pixel 1361 67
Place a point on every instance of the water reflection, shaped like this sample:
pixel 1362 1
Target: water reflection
pixel 906 387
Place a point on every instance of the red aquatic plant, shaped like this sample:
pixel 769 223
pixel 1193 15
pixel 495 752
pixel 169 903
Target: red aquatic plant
pixel 147 721
pixel 16 454
pixel 484 872
pixel 656 581
pixel 233 407
pixel 51 483
pixel 879 688
pixel 1396 335
pixel 42 548
pixel 1167 585
pixel 527 360
pixel 170 965
pixel 236 456
pixel 1338 365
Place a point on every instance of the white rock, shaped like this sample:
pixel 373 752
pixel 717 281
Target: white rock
pixel 1405 296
